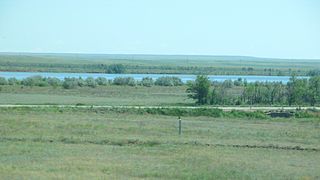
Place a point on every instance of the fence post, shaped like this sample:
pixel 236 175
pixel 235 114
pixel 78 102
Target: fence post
pixel 179 125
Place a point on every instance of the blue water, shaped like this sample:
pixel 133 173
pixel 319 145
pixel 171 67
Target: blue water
pixel 183 77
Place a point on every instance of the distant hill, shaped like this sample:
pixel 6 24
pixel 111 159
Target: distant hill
pixel 81 56
pixel 141 63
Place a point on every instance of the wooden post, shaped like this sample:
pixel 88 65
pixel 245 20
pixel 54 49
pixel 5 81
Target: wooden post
pixel 179 125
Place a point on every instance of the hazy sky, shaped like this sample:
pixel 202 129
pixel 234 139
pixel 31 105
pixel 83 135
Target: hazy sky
pixel 265 28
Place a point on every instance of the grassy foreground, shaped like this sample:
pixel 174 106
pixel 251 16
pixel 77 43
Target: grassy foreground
pixel 76 143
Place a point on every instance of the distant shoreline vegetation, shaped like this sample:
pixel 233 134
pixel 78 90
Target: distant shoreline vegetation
pixel 149 69
pixel 72 83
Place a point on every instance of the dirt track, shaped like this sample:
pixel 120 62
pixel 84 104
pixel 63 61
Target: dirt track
pixel 229 108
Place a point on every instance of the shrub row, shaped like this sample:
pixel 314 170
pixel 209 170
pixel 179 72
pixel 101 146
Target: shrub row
pixel 71 83
pixel 176 112
pixel 209 112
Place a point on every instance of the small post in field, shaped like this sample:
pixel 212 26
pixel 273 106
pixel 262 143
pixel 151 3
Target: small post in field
pixel 179 125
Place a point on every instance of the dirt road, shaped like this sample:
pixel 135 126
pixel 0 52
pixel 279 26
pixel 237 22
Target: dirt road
pixel 225 108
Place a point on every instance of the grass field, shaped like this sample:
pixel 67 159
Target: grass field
pixel 75 143
pixel 91 143
pixel 103 95
pixel 214 65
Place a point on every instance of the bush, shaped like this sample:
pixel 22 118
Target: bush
pixel 91 82
pixel 35 81
pixel 124 81
pixel 3 81
pixel 55 82
pixel 199 89
pixel 116 69
pixel 81 82
pixel 70 83
pixel 147 81
pixel 244 114
pixel 101 81
pixel 168 81
pixel 238 82
pixel 13 81
pixel 208 112
pixel 227 84
pixel 304 114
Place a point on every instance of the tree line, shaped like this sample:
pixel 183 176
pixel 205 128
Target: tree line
pixel 296 92
pixel 71 83
pixel 9 65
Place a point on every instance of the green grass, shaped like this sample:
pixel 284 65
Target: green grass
pixel 77 161
pixel 75 143
pixel 108 95
pixel 102 95
pixel 215 65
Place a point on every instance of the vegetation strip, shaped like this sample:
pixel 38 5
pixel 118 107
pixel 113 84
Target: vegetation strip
pixel 128 142
pixel 225 108
pixel 229 112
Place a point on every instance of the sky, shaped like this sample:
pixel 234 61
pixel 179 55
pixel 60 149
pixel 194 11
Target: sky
pixel 261 28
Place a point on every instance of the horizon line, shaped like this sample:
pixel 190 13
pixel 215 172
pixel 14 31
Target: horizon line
pixel 153 54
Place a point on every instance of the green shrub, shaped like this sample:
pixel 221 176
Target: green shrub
pixel 3 81
pixel 124 81
pixel 81 82
pixel 101 81
pixel 209 112
pixel 91 82
pixel 35 81
pixel 55 82
pixel 115 69
pixel 70 83
pixel 13 81
pixel 306 114
pixel 168 81
pixel 147 81
pixel 245 114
